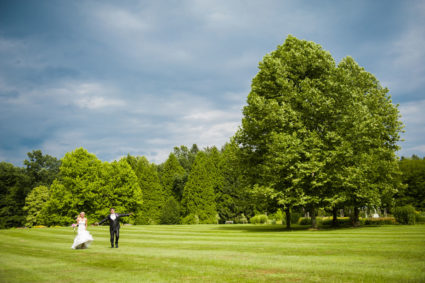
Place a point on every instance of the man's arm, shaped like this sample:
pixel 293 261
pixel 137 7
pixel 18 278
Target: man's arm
pixel 123 214
pixel 103 220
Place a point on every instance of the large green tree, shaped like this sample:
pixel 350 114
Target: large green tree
pixel 370 128
pixel 87 184
pixel 41 169
pixel 186 156
pixel 318 134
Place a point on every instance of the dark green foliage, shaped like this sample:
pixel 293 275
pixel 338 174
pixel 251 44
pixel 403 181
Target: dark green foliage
pixel 186 157
pixel 173 178
pixel 413 176
pixel 14 187
pixel 41 169
pixel 405 214
pixel 153 195
pixel 170 212
pixel 420 217
pixel 198 195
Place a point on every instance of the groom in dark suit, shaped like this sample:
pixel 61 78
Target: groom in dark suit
pixel 114 226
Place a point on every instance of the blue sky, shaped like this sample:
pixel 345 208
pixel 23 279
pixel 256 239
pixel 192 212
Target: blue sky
pixel 141 77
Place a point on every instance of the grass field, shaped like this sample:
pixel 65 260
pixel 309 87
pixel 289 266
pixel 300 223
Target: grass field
pixel 216 253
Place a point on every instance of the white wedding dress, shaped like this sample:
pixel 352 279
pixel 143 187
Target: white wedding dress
pixel 83 238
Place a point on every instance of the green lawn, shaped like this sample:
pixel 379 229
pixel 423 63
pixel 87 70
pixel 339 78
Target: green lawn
pixel 216 253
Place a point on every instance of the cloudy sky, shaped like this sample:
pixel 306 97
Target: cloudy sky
pixel 141 77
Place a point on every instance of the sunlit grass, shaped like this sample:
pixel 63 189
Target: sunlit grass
pixel 216 253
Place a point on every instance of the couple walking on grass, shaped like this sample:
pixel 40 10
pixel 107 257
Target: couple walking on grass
pixel 83 238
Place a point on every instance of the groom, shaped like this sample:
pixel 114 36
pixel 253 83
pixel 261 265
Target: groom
pixel 114 226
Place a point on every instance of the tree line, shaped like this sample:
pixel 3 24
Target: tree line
pixel 192 186
pixel 315 136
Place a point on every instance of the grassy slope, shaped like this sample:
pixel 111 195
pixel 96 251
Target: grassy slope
pixel 235 253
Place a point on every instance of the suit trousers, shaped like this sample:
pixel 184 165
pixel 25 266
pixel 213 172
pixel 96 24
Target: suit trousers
pixel 115 233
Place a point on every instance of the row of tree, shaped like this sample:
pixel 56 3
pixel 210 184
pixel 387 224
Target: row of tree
pixel 314 135
pixel 191 186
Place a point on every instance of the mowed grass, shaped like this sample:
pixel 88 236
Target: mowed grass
pixel 216 253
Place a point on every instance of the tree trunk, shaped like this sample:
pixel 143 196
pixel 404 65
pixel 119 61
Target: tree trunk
pixel 313 218
pixel 355 219
pixel 334 217
pixel 288 218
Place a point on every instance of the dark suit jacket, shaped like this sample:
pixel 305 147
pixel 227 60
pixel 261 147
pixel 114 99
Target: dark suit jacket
pixel 114 224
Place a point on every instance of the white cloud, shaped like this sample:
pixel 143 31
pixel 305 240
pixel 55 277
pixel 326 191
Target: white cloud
pixel 92 96
pixel 97 102
pixel 413 114
pixel 211 115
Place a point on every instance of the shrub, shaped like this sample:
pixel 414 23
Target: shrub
pixel 305 221
pixel 380 221
pixel 191 219
pixel 241 219
pixel 420 217
pixel 277 217
pixel 405 214
pixel 259 219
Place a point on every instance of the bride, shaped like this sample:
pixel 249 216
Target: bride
pixel 83 238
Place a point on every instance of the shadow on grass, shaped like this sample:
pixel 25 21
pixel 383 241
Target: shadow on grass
pixel 279 228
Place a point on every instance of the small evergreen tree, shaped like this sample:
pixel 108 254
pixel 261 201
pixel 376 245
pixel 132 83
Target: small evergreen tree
pixel 198 195
pixel 170 212
pixel 153 195
pixel 173 177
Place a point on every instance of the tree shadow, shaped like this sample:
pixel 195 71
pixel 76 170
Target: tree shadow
pixel 261 228
pixel 278 228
